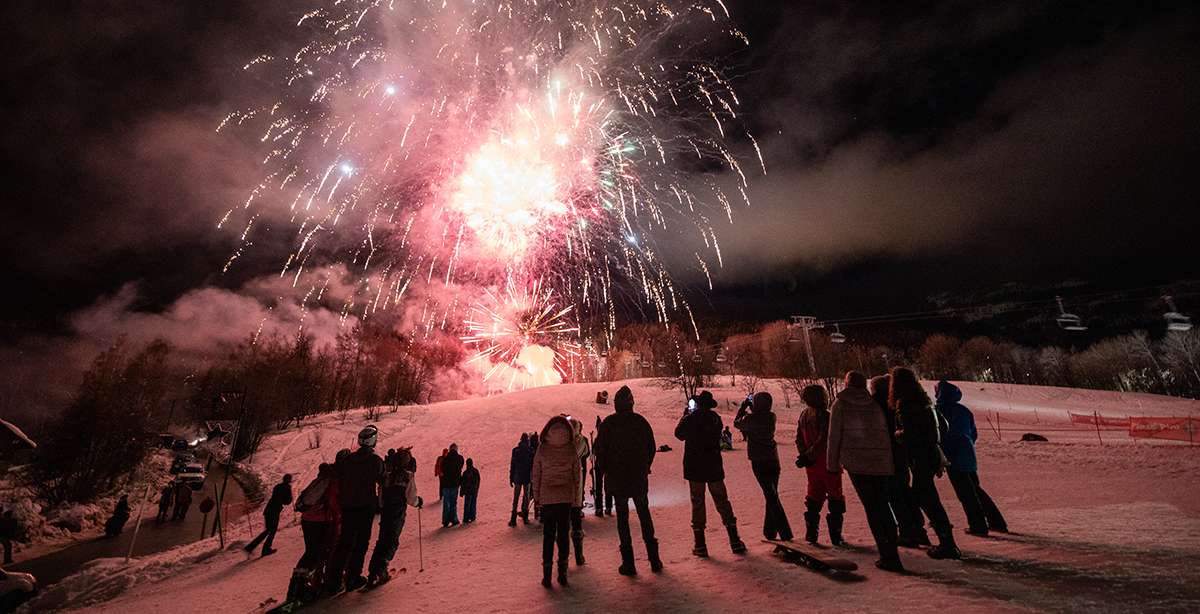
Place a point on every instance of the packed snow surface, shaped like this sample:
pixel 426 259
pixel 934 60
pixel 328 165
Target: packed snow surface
pixel 1101 523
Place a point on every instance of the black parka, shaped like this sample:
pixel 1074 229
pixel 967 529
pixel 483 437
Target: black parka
pixel 700 432
pixel 624 452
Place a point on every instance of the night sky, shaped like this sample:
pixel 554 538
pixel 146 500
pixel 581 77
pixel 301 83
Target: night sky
pixel 910 151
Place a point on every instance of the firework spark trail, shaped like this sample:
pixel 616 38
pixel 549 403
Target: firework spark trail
pixel 531 146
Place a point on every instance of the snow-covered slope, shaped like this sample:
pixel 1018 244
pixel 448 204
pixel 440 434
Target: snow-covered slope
pixel 1112 527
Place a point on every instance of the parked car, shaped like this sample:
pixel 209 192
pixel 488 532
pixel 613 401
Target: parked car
pixel 15 588
pixel 193 475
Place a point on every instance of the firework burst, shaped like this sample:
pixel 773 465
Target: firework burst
pixel 503 329
pixel 497 145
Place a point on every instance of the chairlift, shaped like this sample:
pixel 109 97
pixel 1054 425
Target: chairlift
pixel 1068 321
pixel 645 364
pixel 836 336
pixel 1176 321
pixel 721 355
pixel 696 358
pixel 661 365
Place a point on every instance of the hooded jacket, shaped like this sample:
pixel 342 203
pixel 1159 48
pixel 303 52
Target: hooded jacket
pixel 700 432
pixel 556 474
pixel 858 435
pixel 625 451
pixel 958 428
pixel 812 436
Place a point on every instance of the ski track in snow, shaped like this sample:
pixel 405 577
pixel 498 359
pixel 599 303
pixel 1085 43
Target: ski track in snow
pixel 1108 528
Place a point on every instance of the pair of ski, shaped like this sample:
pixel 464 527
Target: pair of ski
pixel 293 605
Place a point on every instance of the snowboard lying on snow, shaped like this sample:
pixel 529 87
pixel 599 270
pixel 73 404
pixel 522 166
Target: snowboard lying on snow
pixel 814 557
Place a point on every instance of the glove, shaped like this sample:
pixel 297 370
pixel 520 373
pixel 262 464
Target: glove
pixel 420 503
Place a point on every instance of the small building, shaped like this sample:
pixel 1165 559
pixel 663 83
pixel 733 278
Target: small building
pixel 16 448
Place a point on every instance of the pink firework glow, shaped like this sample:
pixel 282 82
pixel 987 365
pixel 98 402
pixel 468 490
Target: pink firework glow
pixel 526 337
pixel 489 146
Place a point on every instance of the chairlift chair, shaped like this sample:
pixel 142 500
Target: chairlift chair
pixel 836 336
pixel 1176 321
pixel 1068 321
pixel 721 355
pixel 696 358
pixel 645 364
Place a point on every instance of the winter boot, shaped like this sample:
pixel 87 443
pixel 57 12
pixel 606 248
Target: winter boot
pixel 700 549
pixel 627 568
pixel 946 548
pixel 812 520
pixel 735 543
pixel 837 511
pixel 546 568
pixel 512 520
pixel 562 573
pixel 652 554
pixel 578 543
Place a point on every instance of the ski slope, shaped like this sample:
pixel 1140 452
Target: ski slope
pixel 1112 526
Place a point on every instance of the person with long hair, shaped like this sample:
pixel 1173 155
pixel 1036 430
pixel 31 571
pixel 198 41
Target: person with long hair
pixel 757 422
pixel 900 496
pixel 917 428
pixel 812 437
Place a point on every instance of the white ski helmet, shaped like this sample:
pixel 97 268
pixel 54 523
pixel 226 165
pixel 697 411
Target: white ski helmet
pixel 369 436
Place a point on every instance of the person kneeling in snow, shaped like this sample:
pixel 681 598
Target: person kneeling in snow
pixel 399 491
pixel 555 486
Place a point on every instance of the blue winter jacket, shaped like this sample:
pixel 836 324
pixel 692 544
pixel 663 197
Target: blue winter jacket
pixel 958 428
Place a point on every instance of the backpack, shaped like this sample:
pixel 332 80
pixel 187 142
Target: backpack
pixel 313 495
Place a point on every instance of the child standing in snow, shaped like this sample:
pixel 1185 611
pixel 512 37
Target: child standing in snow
pixel 470 491
pixel 812 437
pixel 555 486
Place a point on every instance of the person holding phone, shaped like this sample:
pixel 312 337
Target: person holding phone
pixel 756 421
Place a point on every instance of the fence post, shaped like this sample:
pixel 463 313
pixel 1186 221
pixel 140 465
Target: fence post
pixel 999 437
pixel 1096 421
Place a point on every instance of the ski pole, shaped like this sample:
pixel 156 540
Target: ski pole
pixel 420 546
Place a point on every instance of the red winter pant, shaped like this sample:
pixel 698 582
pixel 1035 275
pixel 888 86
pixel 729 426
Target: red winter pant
pixel 822 484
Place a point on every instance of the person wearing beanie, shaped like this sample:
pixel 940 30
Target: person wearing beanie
pixel 757 422
pixel 812 437
pixel 625 451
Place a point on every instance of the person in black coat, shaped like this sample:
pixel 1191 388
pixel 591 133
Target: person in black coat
pixel 909 518
pixel 120 515
pixel 9 530
pixel 603 498
pixel 520 470
pixel 756 421
pixel 470 491
pixel 700 430
pixel 451 479
pixel 917 429
pixel 281 496
pixel 624 453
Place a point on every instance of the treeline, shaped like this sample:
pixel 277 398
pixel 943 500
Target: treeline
pixel 1131 363
pixel 130 394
